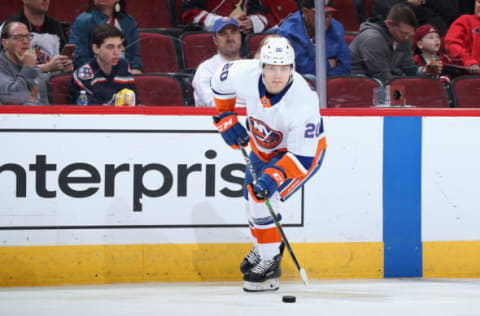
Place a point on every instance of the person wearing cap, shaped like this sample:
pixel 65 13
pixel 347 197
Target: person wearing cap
pixel 299 28
pixel 462 41
pixel 426 45
pixel 382 49
pixel 228 40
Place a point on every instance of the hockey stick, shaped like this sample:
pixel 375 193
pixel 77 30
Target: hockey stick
pixel 301 271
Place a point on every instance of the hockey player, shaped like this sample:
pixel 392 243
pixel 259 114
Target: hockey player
pixel 106 76
pixel 285 132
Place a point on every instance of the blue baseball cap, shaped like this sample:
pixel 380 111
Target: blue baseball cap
pixel 222 22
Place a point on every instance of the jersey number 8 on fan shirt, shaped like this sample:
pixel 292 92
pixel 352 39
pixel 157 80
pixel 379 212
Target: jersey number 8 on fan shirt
pixel 224 73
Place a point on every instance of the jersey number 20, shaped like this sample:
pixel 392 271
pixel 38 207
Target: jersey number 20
pixel 313 130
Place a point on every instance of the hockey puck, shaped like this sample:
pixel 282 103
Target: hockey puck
pixel 289 299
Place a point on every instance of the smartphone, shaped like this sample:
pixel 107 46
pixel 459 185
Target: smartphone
pixel 68 50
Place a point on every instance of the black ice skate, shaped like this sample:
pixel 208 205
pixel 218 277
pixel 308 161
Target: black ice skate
pixel 264 276
pixel 251 260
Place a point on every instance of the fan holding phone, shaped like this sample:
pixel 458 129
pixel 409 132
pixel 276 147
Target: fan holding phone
pixel 48 38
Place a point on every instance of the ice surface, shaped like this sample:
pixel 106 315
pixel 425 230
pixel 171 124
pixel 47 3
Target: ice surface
pixel 456 297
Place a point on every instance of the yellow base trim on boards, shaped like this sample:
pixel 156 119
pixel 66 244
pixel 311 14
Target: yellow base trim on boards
pixel 102 264
pixel 451 259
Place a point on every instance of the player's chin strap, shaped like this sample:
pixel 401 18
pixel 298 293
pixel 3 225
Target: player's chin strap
pixel 301 271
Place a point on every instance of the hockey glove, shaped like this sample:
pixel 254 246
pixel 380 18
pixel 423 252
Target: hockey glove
pixel 268 183
pixel 233 133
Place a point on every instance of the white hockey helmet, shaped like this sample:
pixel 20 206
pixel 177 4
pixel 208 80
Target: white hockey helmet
pixel 276 50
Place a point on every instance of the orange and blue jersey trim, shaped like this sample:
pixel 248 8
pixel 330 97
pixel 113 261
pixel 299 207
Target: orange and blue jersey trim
pixel 265 157
pixel 225 102
pixel 265 102
pixel 292 185
pixel 268 235
pixel 225 105
pixel 265 230
pixel 292 167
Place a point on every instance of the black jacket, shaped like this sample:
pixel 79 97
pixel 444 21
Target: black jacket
pixel 100 87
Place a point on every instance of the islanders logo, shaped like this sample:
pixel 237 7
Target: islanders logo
pixel 264 135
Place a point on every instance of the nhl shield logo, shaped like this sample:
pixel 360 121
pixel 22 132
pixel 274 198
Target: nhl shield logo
pixel 265 136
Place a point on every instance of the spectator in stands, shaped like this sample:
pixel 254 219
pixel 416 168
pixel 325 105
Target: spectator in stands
pixel 439 13
pixel 21 82
pixel 49 36
pixel 382 49
pixel 105 11
pixel 299 28
pixel 360 7
pixel 228 40
pixel 447 10
pixel 426 46
pixel 426 15
pixel 249 14
pixel 277 11
pixel 466 7
pixel 381 7
pixel 106 76
pixel 462 41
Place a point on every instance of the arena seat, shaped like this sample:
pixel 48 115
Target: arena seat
pixel 187 88
pixel 159 90
pixel 177 7
pixel 66 11
pixel 423 92
pixel 466 91
pixel 346 14
pixel 9 8
pixel 350 91
pixel 349 37
pixel 196 47
pixel 59 88
pixel 147 13
pixel 368 8
pixel 151 13
pixel 159 52
pixel 252 43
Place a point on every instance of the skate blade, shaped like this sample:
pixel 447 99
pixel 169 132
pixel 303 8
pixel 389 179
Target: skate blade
pixel 269 285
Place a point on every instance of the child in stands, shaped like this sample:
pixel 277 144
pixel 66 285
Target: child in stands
pixel 427 49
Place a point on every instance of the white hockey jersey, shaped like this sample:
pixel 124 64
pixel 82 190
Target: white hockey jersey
pixel 202 93
pixel 289 122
